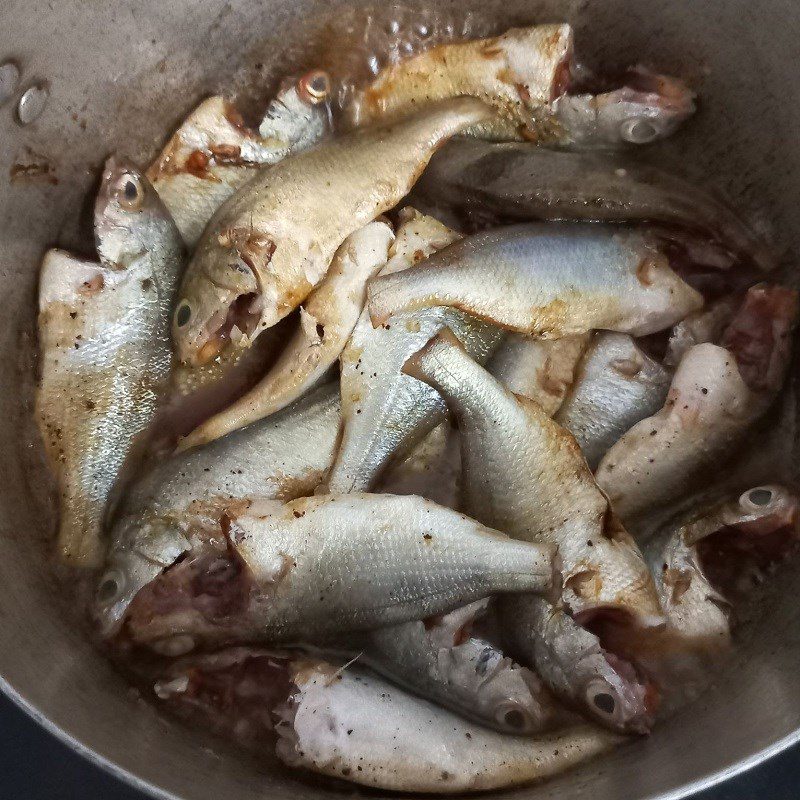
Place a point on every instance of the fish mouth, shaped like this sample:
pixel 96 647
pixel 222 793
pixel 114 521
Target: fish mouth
pixel 232 327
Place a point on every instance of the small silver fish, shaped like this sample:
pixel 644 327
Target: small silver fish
pixel 545 280
pixel 717 393
pixel 349 723
pixel 327 319
pixel 524 475
pixel 104 340
pixel 319 566
pixel 385 413
pixel 440 661
pixel 272 242
pixel 283 457
pixel 213 153
pixel 616 385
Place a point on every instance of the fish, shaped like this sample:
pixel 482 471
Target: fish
pixel 349 723
pixel 524 475
pixel 717 557
pixel 517 74
pixel 616 385
pixel 539 369
pixel 545 280
pixel 385 413
pixel 104 338
pixel 282 457
pixel 326 321
pixel 717 392
pixel 575 665
pixel 487 184
pixel 213 153
pixel 272 242
pixel 645 108
pixel 441 661
pixel 431 470
pixel 316 567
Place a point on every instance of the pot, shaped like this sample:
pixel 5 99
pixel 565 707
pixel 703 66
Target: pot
pixel 121 76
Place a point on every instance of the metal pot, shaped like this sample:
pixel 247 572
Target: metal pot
pixel 121 76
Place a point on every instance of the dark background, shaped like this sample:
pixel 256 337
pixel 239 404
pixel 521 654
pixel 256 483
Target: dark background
pixel 36 766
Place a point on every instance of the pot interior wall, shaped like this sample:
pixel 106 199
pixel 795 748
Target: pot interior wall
pixel 122 75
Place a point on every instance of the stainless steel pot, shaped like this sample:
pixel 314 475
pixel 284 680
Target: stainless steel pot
pixel 121 75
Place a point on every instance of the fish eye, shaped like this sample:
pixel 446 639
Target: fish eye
pixel 638 131
pixel 111 587
pixel 602 701
pixel 759 497
pixel 130 192
pixel 183 314
pixel 315 87
pixel 512 717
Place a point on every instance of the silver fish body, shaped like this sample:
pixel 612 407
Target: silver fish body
pixel 352 724
pixel 213 153
pixel 104 339
pixel 519 182
pixel 539 369
pixel 441 662
pixel 385 413
pixel 545 280
pixel 326 321
pixel 272 242
pixel 524 475
pixel 315 567
pixel 283 457
pixel 616 385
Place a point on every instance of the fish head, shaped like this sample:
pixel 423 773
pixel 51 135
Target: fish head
pixel 735 549
pixel 128 214
pixel 609 683
pixel 142 550
pixel 647 108
pixel 219 303
pixel 299 108
pixel 505 692
pixel 616 696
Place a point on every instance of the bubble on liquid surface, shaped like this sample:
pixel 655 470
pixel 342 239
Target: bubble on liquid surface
pixel 32 104
pixel 356 45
